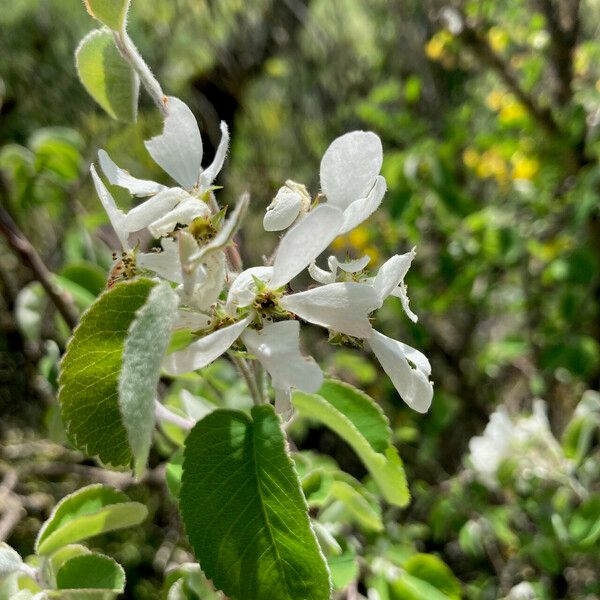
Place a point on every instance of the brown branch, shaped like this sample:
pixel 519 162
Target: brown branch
pixel 29 256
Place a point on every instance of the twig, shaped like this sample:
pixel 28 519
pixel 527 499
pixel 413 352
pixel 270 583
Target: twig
pixel 23 247
pixel 248 376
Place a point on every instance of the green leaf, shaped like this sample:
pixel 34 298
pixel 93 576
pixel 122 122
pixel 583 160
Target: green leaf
pixel 244 512
pixel 87 275
pixel 363 513
pixel 111 13
pixel 109 80
pixel 145 346
pixel 88 512
pixel 386 468
pixel 91 571
pixel 90 370
pixel 364 413
pixel 433 570
pixel 344 568
pixel 62 555
pixel 10 561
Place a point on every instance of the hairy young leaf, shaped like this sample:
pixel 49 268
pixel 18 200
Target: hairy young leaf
pixel 385 467
pixel 10 561
pixel 111 13
pixel 145 346
pixel 90 371
pixel 91 572
pixel 244 512
pixel 111 82
pixel 88 512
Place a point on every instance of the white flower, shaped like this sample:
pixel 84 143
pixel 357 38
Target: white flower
pixel 289 202
pixel 351 266
pixel 350 181
pixel 528 440
pixel 178 150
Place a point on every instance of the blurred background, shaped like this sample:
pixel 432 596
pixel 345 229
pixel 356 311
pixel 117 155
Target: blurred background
pixel 489 116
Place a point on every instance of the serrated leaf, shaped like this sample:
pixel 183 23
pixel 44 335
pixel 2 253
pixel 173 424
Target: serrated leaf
pixel 244 512
pixel 109 80
pixel 111 13
pixel 145 346
pixel 88 512
pixel 89 374
pixel 91 572
pixel 10 560
pixel 385 468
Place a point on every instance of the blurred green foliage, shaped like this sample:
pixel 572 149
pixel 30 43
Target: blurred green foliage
pixel 490 122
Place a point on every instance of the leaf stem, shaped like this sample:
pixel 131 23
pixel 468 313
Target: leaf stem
pixel 162 413
pixel 130 53
pixel 249 378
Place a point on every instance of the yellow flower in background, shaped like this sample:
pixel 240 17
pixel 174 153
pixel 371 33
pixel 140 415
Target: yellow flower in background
pixel 498 39
pixel 470 157
pixel 512 111
pixel 493 165
pixel 495 99
pixel 434 49
pixel 373 254
pixel 524 167
pixel 359 237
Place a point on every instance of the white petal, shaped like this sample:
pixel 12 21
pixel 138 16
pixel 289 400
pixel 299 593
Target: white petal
pixel 321 275
pixel 165 263
pixel 187 246
pixel 120 177
pixel 283 403
pixel 178 149
pixel 391 274
pixel 304 242
pixel 349 167
pixel 190 319
pixel 184 213
pixel 115 215
pixel 276 346
pixel 211 172
pixel 350 266
pixel 401 292
pixel 363 208
pixel 194 406
pixel 413 385
pixel 342 307
pixel 153 209
pixel 283 211
pixel 208 348
pixel 211 279
pixel 243 289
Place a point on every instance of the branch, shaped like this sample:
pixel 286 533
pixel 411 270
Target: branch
pixel 29 256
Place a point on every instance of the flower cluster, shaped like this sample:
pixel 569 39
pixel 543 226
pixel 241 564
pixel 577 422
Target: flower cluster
pixel 255 310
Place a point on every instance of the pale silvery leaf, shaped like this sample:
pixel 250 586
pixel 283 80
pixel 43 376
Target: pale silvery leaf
pixel 145 345
pixel 303 243
pixel 120 177
pixel 178 149
pixel 226 233
pixel 203 351
pixel 284 209
pixel 184 213
pixel 361 209
pixel 411 383
pixel 277 347
pixel 211 172
pixel 350 166
pixel 10 560
pixel 243 289
pixel 341 307
pixel 165 264
pixel 115 215
pixel 391 274
pixel 155 208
